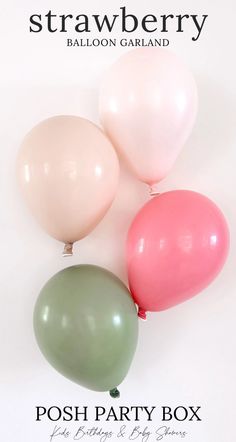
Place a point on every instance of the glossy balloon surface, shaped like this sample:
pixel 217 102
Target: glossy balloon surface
pixel 177 244
pixel 148 105
pixel 86 326
pixel 68 172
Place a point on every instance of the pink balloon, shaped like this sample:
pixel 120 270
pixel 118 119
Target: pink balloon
pixel 148 105
pixel 68 172
pixel 177 244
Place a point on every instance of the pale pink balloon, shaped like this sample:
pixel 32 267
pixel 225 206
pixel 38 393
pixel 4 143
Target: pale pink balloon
pixel 68 172
pixel 148 105
pixel 176 246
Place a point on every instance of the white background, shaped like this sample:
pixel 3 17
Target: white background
pixel 186 355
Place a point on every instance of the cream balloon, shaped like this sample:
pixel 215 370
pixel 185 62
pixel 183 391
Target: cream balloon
pixel 68 172
pixel 148 105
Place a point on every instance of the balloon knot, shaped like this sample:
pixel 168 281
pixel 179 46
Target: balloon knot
pixel 114 393
pixel 68 250
pixel 142 314
pixel 153 191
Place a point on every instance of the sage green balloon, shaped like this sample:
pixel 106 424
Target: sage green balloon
pixel 86 326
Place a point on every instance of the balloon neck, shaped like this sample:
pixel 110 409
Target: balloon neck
pixel 153 191
pixel 142 314
pixel 68 250
pixel 114 393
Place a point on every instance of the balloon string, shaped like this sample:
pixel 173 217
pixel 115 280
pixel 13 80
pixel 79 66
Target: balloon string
pixel 142 314
pixel 114 393
pixel 68 250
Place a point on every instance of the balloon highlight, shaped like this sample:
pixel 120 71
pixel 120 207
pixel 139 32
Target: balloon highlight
pixel 148 106
pixel 176 246
pixel 86 326
pixel 68 173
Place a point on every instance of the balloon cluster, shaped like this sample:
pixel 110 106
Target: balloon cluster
pixel 85 319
